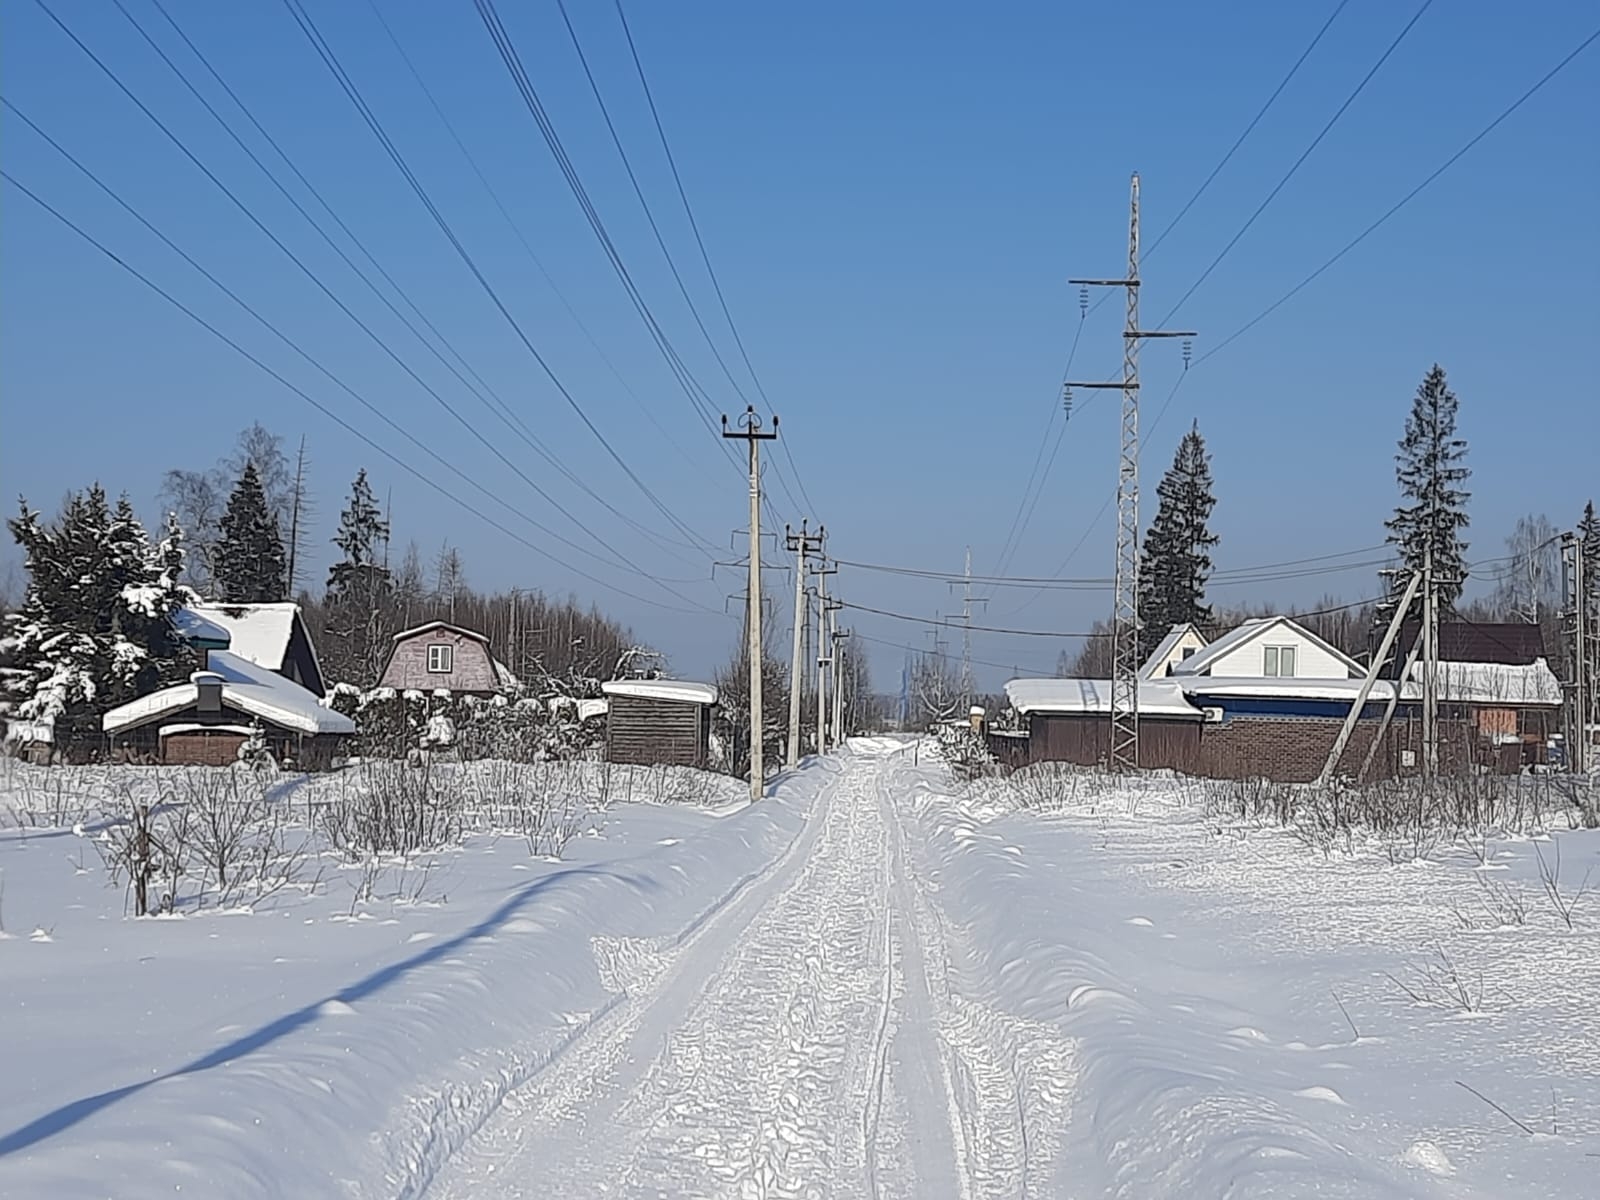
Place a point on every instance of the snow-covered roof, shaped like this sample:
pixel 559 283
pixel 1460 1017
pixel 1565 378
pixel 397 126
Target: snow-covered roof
pixel 589 709
pixel 424 628
pixel 199 630
pixel 1203 660
pixel 1495 683
pixel 247 686
pixel 258 633
pixel 1155 666
pixel 1291 688
pixel 1157 697
pixel 662 689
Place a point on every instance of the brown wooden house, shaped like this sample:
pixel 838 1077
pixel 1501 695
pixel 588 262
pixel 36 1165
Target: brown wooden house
pixel 209 719
pixel 439 656
pixel 653 721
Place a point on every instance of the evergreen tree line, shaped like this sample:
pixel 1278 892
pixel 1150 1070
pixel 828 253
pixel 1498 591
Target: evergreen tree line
pixel 1428 527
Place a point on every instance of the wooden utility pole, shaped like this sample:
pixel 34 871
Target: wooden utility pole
pixel 751 432
pixel 801 544
pixel 824 652
pixel 1125 659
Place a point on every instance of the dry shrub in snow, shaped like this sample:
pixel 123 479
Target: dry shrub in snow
pixel 523 799
pixel 386 806
pixel 208 836
pixel 43 797
pixel 1055 786
pixel 1438 982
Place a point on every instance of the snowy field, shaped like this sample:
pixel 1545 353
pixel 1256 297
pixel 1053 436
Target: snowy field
pixel 880 983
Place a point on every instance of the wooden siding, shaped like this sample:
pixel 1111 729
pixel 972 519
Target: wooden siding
pixel 144 743
pixel 1311 661
pixel 1086 741
pixel 471 667
pixel 649 731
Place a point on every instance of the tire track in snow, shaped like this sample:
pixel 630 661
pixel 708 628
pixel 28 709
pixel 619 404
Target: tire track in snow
pixel 805 1041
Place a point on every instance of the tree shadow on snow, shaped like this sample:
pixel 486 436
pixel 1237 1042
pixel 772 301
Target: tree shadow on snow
pixel 68 1115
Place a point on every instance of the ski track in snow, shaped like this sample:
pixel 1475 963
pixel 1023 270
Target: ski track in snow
pixel 803 1042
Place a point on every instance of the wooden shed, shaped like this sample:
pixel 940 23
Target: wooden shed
pixel 659 721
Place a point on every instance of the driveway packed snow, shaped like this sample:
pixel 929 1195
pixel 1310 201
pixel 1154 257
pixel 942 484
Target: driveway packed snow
pixel 876 984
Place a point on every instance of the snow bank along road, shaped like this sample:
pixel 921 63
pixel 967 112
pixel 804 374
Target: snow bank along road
pixel 802 1042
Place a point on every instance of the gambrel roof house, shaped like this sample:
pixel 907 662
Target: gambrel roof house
pixel 440 656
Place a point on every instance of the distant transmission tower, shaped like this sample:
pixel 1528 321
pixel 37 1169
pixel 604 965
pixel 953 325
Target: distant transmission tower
pixel 1125 611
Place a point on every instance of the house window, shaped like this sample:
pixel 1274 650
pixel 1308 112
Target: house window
pixel 1278 661
pixel 1188 652
pixel 440 659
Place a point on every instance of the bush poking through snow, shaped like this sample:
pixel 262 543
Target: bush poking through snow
pixel 1564 903
pixel 391 807
pixel 1438 983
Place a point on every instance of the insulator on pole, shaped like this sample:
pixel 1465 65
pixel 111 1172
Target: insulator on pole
pixel 1083 301
pixel 1188 352
pixel 1066 399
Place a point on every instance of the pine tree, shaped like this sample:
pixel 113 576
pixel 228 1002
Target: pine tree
pixel 1176 560
pixel 95 628
pixel 359 587
pixel 249 565
pixel 1430 469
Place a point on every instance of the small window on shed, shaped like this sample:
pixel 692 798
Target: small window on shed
pixel 1188 652
pixel 441 659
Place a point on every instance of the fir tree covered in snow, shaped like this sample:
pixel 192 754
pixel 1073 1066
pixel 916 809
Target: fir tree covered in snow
pixel 95 628
pixel 1430 468
pixel 359 587
pixel 1176 560
pixel 249 561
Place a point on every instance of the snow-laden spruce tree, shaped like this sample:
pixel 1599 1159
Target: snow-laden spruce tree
pixel 359 588
pixel 1430 468
pixel 1176 560
pixel 95 627
pixel 248 566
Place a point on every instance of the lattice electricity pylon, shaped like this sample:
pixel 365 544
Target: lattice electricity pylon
pixel 1125 607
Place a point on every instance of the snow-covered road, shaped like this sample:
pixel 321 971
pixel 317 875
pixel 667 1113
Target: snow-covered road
pixel 800 1042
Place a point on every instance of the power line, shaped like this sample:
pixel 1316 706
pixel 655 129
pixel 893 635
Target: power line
pixel 694 225
pixel 516 230
pixel 1305 154
pixel 1262 571
pixel 1404 200
pixel 514 423
pixel 327 412
pixel 1240 140
pixel 331 61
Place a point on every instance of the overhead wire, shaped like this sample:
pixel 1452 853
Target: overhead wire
pixel 330 59
pixel 655 229
pixel 333 416
pixel 516 229
pixel 499 407
pixel 250 214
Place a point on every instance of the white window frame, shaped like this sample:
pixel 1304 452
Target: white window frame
pixel 1275 658
pixel 441 658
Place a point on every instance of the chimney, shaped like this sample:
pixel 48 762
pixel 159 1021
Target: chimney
pixel 209 686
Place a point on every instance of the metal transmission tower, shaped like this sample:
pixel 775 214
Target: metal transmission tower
pixel 967 601
pixel 1125 611
pixel 750 431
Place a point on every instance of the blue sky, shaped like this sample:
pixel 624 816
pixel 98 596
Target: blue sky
pixel 893 197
